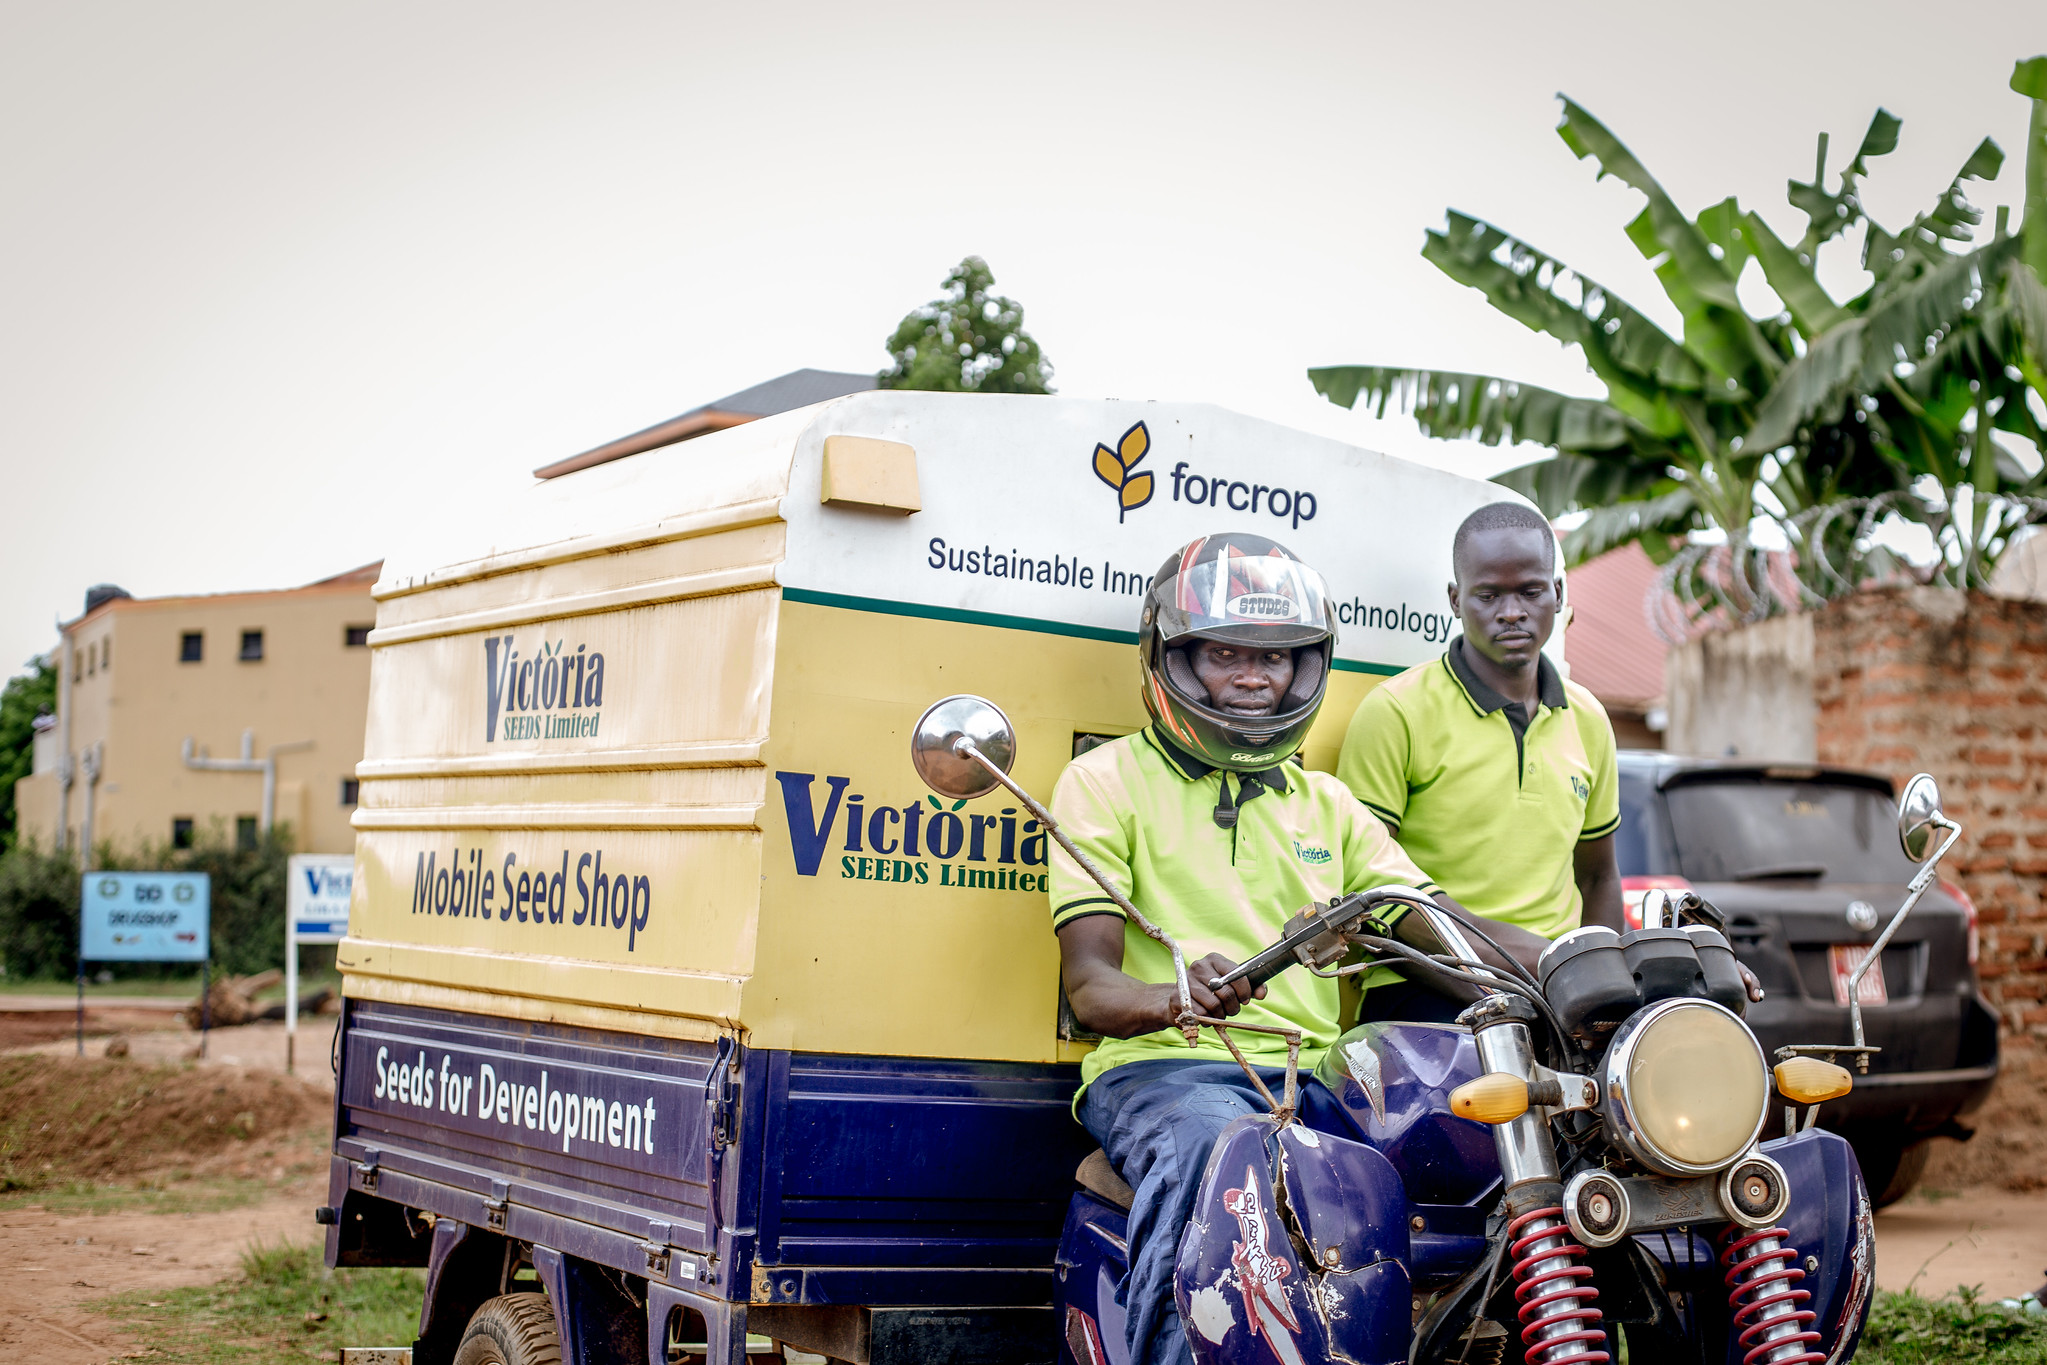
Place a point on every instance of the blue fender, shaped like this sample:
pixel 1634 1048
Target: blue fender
pixel 1830 1220
pixel 1094 1255
pixel 1244 1294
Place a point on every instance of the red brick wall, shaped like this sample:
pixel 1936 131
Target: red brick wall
pixel 1917 679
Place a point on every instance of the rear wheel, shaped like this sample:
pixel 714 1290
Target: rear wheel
pixel 1891 1167
pixel 513 1329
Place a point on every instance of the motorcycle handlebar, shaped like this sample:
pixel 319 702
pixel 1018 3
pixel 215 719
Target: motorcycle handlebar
pixel 1340 915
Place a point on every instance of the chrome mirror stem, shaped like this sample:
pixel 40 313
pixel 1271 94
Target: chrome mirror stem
pixel 1188 1021
pixel 1917 888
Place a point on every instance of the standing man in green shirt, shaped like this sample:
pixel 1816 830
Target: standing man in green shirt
pixel 1496 775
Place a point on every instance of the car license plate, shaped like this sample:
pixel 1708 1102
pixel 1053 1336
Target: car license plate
pixel 1842 960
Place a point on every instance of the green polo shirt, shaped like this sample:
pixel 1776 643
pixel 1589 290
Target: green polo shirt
pixel 1145 812
pixel 1490 803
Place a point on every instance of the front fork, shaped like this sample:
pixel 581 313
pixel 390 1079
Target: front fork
pixel 1559 1325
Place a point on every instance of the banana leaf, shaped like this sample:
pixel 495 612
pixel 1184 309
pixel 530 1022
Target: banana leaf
pixel 1571 483
pixel 1479 407
pixel 1718 333
pixel 1829 215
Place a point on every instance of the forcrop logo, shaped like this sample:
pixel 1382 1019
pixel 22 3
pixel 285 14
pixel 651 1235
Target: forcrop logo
pixel 1113 467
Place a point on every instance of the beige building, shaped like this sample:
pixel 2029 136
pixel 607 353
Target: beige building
pixel 171 708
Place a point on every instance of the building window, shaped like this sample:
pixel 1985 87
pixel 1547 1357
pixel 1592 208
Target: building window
pixel 355 637
pixel 350 791
pixel 252 646
pixel 107 652
pixel 181 831
pixel 191 647
pixel 245 833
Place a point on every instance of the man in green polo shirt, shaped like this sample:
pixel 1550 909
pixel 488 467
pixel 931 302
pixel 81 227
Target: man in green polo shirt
pixel 1206 826
pixel 1496 775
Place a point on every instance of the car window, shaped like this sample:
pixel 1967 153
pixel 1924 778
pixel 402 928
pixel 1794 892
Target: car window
pixel 1751 829
pixel 1638 845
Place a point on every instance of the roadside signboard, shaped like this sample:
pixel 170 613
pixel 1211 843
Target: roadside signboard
pixel 317 899
pixel 318 887
pixel 144 916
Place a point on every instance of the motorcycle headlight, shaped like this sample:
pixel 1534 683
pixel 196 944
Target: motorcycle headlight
pixel 1686 1088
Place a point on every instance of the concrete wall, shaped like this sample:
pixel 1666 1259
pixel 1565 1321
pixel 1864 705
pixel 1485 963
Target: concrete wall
pixel 132 693
pixel 1744 693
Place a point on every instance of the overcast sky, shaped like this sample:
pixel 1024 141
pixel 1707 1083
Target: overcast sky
pixel 276 281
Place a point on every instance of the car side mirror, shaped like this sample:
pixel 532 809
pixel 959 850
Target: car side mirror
pixel 1919 815
pixel 938 746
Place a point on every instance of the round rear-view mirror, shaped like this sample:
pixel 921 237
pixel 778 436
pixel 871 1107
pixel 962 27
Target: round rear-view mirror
pixel 1919 814
pixel 935 745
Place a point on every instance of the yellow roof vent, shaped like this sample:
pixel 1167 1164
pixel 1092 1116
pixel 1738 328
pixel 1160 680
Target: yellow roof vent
pixel 860 471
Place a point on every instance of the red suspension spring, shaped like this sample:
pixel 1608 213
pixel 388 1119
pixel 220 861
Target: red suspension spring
pixel 1762 1284
pixel 1559 1323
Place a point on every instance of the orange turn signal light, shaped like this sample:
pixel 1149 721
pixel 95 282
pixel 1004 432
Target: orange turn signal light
pixel 1808 1080
pixel 1496 1097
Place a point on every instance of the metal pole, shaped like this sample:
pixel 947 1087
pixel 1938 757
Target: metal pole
pixel 64 769
pixel 90 761
pixel 205 999
pixel 249 763
pixel 291 985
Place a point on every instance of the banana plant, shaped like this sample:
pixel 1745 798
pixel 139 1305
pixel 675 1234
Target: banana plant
pixel 1880 406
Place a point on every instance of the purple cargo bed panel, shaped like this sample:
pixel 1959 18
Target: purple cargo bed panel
pixel 612 1118
pixel 867 1179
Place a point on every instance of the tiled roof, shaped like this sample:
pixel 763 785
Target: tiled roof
pixel 1612 650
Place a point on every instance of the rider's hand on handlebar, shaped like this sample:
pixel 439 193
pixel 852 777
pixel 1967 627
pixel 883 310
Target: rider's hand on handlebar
pixel 1218 1004
pixel 1748 979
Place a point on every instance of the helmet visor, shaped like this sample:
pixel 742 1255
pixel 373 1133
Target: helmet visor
pixel 1263 599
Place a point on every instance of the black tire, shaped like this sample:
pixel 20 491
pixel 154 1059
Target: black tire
pixel 513 1329
pixel 1891 1167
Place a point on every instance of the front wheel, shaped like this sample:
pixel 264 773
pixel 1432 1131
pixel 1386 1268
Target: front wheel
pixel 512 1329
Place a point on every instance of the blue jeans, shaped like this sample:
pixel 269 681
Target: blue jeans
pixel 1158 1120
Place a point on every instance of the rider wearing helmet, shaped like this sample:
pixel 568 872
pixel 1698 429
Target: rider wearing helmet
pixel 1211 830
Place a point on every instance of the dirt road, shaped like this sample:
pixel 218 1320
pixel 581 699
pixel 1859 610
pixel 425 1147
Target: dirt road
pixel 1993 1238
pixel 52 1265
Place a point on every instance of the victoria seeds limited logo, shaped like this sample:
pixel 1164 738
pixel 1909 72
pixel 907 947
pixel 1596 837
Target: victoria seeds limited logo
pixel 548 694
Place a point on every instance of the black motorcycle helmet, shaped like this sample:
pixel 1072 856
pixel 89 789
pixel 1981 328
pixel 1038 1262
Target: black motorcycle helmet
pixel 1247 590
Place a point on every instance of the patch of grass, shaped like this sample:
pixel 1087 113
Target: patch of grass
pixel 171 1195
pixel 173 986
pixel 1905 1329
pixel 283 1305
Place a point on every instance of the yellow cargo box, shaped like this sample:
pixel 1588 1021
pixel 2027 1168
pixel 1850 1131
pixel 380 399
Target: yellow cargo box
pixel 637 755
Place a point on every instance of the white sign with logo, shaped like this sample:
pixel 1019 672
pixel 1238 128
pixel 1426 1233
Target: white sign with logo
pixel 319 886
pixel 1055 515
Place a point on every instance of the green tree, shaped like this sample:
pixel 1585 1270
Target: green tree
pixel 1884 404
pixel 971 340
pixel 26 696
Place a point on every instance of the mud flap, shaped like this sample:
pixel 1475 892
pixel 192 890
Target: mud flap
pixel 1246 1279
pixel 1831 1222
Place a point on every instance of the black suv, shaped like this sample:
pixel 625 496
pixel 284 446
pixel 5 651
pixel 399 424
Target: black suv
pixel 1804 862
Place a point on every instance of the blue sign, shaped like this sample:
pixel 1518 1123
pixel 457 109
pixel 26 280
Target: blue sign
pixel 145 916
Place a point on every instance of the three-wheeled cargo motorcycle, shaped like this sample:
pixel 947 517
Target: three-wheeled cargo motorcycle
pixel 683 1021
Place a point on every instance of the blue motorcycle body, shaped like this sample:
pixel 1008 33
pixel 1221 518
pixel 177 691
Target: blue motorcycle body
pixel 1313 1245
